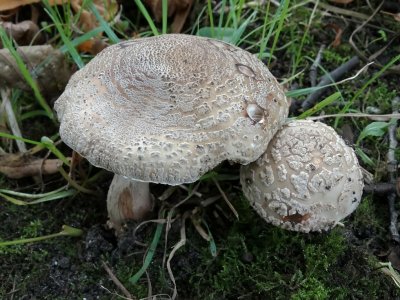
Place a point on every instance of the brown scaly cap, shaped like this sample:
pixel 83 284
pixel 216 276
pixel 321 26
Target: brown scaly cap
pixel 167 109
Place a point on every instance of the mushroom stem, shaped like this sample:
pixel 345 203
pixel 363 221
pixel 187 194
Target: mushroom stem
pixel 128 199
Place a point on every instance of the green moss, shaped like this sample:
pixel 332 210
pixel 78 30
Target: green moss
pixel 124 272
pixel 319 257
pixel 336 57
pixel 267 262
pixel 365 215
pixel 311 289
pixel 381 96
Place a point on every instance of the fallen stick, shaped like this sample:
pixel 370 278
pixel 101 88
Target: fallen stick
pixel 18 166
pixel 392 170
pixel 116 281
pixel 380 188
pixel 333 76
pixel 315 65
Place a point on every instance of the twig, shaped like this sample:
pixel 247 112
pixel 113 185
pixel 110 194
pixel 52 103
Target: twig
pixel 316 63
pixel 19 165
pixel 380 188
pixel 342 11
pixel 210 200
pixel 226 199
pixel 12 120
pixel 116 280
pixel 196 221
pixel 178 245
pixel 191 193
pixel 380 51
pixel 167 229
pixel 185 188
pixel 149 286
pixel 167 193
pixel 112 293
pixel 333 76
pixel 387 269
pixel 392 168
pixel 74 184
pixel 294 107
pixel 13 291
pixel 360 54
pixel 157 221
pixel 393 69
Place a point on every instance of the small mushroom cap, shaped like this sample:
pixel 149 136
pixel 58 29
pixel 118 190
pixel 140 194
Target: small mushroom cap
pixel 167 109
pixel 307 180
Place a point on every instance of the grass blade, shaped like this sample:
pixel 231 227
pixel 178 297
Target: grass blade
pixel 49 144
pixel 57 22
pixel 320 105
pixel 149 256
pixel 149 20
pixel 54 196
pixel 368 83
pixel 7 42
pixel 265 39
pixel 83 38
pixel 32 196
pixel 164 16
pixel 211 17
pixel 65 231
pixel 281 15
pixel 45 143
pixel 107 29
pixel 14 137
pixel 212 245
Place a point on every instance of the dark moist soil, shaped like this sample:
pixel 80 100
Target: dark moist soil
pixel 253 260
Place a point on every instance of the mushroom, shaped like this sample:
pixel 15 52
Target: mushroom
pixel 307 180
pixel 167 109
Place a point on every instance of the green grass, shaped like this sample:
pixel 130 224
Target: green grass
pixel 8 44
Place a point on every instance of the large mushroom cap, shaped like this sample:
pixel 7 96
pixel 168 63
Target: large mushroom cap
pixel 169 108
pixel 307 180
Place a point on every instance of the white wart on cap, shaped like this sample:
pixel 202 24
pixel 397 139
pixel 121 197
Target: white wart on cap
pixel 307 180
pixel 167 109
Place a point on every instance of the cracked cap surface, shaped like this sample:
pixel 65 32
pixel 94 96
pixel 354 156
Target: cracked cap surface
pixel 307 180
pixel 167 109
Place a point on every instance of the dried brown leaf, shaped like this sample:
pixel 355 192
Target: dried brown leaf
pixel 179 9
pixel 19 165
pixel 156 8
pixel 8 15
pixel 24 33
pixel 11 4
pixel 49 65
pixel 92 46
pixel 180 16
pixel 338 31
pixel 87 21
